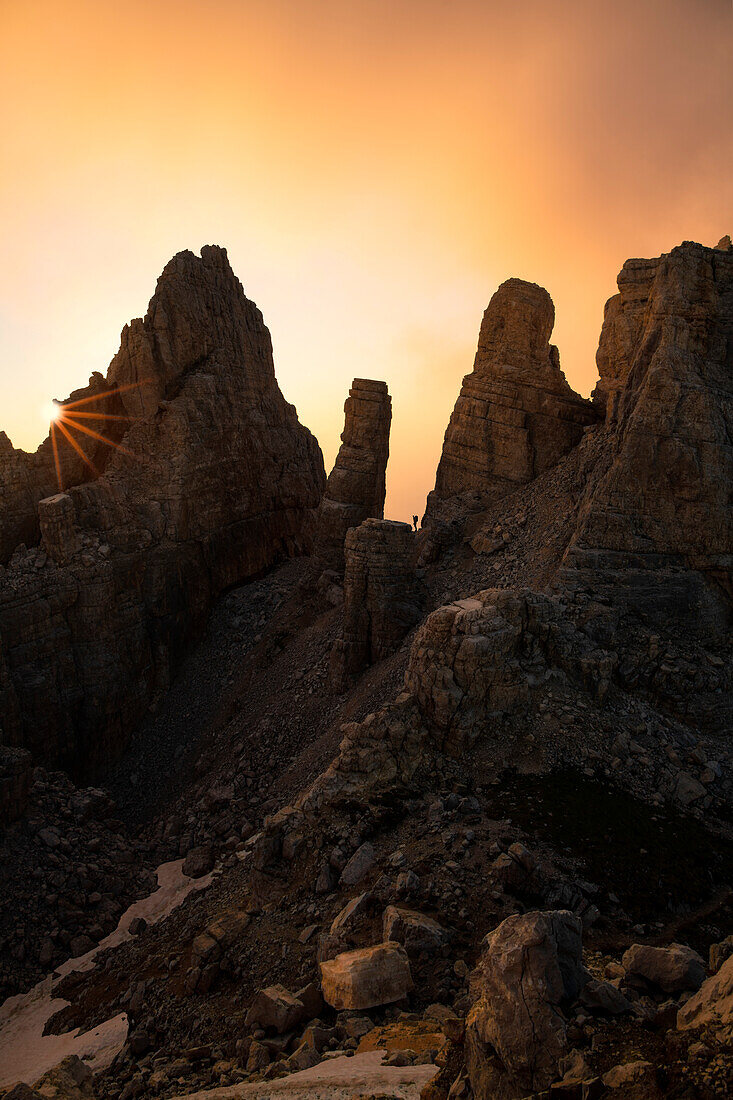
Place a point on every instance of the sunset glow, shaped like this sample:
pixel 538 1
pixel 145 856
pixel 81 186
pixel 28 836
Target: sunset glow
pixel 374 169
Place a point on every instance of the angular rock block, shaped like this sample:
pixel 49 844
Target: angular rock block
pixel 672 969
pixel 351 912
pixel 515 1032
pixel 413 930
pixel 366 978
pixel 713 1003
pixel 277 1009
pixel 57 518
pixel 359 865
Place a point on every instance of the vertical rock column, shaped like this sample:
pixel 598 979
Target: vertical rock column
pixel 516 416
pixel 356 486
pixel 656 532
pixel 383 598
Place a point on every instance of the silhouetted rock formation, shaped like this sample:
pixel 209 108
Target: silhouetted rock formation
pixel 24 480
pixel 516 415
pixel 582 627
pixel 625 650
pixel 656 528
pixel 382 597
pixel 356 486
pixel 218 480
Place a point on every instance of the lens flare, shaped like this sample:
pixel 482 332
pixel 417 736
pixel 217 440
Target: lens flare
pixel 65 420
pixel 51 412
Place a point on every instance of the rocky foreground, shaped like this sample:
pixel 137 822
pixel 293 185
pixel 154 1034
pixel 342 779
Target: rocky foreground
pixel 464 793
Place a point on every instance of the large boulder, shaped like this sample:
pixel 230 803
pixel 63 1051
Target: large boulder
pixel 632 1079
pixel 359 866
pixel 672 969
pixel 366 978
pixel 276 1009
pixel 415 931
pixel 71 1079
pixel 530 967
pixel 199 861
pixel 713 1002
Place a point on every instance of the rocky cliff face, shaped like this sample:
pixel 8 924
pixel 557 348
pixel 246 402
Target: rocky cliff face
pixel 626 643
pixel 516 415
pixel 217 480
pixel 356 486
pixel 24 480
pixel 15 783
pixel 383 599
pixel 655 529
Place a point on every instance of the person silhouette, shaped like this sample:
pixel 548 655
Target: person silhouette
pixel 414 522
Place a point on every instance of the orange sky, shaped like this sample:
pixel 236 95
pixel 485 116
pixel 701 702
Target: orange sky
pixel 375 169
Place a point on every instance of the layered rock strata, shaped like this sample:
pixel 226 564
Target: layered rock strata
pixel 516 415
pixel 383 599
pixel 356 486
pixel 655 531
pixel 217 481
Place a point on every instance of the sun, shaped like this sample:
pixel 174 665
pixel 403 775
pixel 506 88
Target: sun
pixel 66 420
pixel 51 412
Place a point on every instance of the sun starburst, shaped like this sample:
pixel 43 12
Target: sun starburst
pixel 67 419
